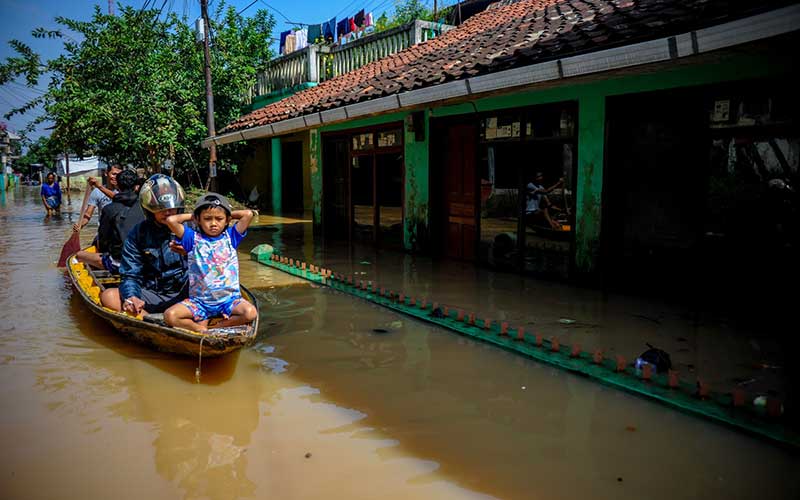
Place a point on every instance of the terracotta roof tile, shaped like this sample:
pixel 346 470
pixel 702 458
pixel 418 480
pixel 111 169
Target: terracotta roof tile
pixel 508 34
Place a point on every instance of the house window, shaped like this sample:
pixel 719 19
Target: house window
pixel 755 152
pixel 527 205
pixel 363 142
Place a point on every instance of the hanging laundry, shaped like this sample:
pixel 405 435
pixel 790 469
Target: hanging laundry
pixel 290 44
pixel 282 44
pixel 368 19
pixel 300 39
pixel 343 28
pixel 352 24
pixel 329 29
pixel 314 33
pixel 358 19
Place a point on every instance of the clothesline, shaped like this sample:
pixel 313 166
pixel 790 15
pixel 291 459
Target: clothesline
pixel 329 31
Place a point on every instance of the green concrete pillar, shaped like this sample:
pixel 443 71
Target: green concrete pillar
pixel 315 173
pixel 417 196
pixel 588 217
pixel 277 169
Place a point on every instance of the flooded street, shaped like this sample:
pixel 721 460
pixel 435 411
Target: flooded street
pixel 342 399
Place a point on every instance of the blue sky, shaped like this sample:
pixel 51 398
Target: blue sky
pixel 20 17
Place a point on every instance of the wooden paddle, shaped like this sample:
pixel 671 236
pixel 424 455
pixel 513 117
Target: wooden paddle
pixel 73 244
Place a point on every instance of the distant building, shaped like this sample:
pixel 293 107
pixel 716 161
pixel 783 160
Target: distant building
pixel 8 150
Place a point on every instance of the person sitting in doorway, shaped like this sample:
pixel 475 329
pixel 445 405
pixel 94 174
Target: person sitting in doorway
pixel 537 203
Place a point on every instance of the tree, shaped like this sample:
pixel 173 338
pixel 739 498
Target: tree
pixel 405 11
pixel 40 151
pixel 132 91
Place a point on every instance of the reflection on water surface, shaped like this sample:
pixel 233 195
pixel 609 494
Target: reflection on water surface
pixel 322 407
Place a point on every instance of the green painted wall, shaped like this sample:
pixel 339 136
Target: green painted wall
pixel 307 193
pixel 591 96
pixel 417 196
pixel 738 68
pixel 365 122
pixel 276 176
pixel 591 143
pixel 315 175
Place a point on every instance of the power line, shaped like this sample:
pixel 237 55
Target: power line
pixel 344 9
pixel 248 6
pixel 289 21
pixel 35 90
pixel 15 96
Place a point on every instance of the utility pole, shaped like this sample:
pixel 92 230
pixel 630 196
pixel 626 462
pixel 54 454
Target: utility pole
pixel 434 10
pixel 212 161
pixel 66 170
pixel 110 7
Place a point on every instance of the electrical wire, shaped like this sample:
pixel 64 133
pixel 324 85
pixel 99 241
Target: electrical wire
pixel 248 6
pixel 344 9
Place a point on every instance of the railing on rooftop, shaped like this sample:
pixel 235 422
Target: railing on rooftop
pixel 317 63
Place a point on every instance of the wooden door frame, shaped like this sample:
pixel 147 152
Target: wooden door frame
pixel 347 135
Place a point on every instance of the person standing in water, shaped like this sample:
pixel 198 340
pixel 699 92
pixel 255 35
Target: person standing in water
pixel 51 194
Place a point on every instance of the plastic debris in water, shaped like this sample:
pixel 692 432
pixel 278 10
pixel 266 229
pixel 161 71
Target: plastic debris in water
pixel 566 321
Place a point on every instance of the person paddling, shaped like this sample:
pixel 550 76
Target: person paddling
pixel 116 221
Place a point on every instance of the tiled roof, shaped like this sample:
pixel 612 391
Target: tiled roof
pixel 509 34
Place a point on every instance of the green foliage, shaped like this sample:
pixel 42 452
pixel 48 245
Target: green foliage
pixel 132 90
pixel 43 151
pixel 382 23
pixel 405 11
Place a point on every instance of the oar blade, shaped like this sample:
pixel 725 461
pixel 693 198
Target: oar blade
pixel 72 245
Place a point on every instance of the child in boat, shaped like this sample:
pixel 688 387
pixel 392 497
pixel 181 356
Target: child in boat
pixel 213 265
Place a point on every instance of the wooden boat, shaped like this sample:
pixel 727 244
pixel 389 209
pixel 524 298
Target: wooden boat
pixel 151 330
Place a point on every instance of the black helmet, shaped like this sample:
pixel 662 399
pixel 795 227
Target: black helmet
pixel 211 200
pixel 161 192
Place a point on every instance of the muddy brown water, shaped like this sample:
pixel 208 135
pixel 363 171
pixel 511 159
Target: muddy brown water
pixel 323 406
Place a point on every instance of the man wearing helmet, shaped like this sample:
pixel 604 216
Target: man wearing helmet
pixel 153 276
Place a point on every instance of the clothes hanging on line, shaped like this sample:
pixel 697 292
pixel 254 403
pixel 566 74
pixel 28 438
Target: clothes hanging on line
pixel 329 29
pixel 352 24
pixel 300 39
pixel 343 28
pixel 368 19
pixel 358 19
pixel 282 44
pixel 314 33
pixel 290 44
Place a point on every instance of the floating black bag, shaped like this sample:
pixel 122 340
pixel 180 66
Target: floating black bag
pixel 658 358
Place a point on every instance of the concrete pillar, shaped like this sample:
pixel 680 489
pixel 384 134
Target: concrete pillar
pixel 417 176
pixel 315 176
pixel 588 216
pixel 277 170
